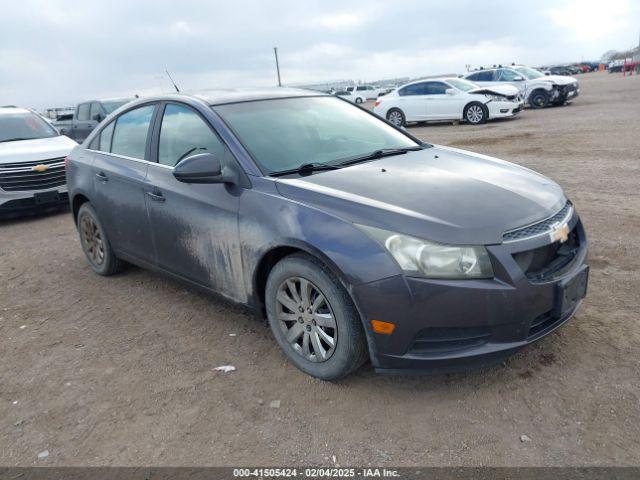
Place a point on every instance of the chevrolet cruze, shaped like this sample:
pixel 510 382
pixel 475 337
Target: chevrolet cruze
pixel 354 238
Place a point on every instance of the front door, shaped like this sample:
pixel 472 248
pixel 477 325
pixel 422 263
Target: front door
pixel 441 106
pixel 195 226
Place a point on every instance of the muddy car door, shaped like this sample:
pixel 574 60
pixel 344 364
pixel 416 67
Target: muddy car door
pixel 195 226
pixel 120 169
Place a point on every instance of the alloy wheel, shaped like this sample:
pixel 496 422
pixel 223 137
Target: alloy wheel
pixel 92 239
pixel 395 118
pixel 306 319
pixel 475 114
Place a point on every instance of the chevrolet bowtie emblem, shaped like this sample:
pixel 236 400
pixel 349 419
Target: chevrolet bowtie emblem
pixel 559 233
pixel 40 168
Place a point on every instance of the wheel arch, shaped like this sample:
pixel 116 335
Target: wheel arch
pixel 277 252
pixel 76 202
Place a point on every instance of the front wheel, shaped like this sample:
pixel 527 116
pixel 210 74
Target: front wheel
pixel 313 318
pixel 476 113
pixel 539 99
pixel 358 100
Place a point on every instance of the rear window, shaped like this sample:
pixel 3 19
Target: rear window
pixel 24 126
pixel 131 130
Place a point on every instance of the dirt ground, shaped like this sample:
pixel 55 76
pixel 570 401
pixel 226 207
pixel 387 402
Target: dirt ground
pixel 118 371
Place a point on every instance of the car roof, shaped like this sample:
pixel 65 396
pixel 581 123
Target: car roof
pixel 235 95
pixel 13 110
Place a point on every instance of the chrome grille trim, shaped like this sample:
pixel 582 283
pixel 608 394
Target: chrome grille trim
pixel 543 227
pixel 20 176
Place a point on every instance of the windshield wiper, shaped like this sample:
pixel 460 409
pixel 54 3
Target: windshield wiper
pixel 383 152
pixel 305 169
pixel 16 139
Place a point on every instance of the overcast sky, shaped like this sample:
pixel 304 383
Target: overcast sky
pixel 58 52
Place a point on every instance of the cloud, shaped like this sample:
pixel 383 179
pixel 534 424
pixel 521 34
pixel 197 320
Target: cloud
pixel 66 51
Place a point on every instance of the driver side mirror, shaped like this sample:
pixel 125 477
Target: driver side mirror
pixel 450 91
pixel 98 117
pixel 200 168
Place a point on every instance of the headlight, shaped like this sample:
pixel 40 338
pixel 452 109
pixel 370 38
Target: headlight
pixel 418 257
pixel 496 98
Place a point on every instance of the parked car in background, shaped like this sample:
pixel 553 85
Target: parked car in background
pixel 368 91
pixel 448 99
pixel 357 239
pixel 538 90
pixel 62 119
pixel 89 114
pixel 32 154
pixel 615 66
pixel 353 96
pixel 559 70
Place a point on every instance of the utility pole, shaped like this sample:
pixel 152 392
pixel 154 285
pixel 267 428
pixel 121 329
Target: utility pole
pixel 275 52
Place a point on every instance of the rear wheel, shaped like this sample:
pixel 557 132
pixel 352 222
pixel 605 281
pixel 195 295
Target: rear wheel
pixel 358 100
pixel 396 117
pixel 95 243
pixel 539 99
pixel 313 318
pixel 476 113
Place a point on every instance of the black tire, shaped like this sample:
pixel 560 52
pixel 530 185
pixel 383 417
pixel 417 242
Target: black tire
pixel 476 113
pixel 350 348
pixel 396 117
pixel 95 243
pixel 359 100
pixel 538 99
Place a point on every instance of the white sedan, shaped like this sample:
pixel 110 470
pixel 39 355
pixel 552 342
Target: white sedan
pixel 448 99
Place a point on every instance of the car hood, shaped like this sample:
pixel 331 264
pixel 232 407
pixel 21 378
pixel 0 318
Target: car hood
pixel 506 90
pixel 37 149
pixel 557 79
pixel 440 193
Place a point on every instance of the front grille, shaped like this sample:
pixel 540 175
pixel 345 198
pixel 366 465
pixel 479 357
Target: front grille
pixel 549 261
pixel 542 324
pixel 439 340
pixel 539 228
pixel 20 176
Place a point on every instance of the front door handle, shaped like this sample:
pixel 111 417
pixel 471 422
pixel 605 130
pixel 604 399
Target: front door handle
pixel 102 177
pixel 156 196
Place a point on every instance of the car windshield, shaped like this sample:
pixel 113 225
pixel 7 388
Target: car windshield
pixel 110 106
pixel 529 73
pixel 284 134
pixel 461 84
pixel 24 126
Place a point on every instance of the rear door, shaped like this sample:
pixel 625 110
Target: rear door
pixel 195 226
pixel 412 100
pixel 82 125
pixel 120 171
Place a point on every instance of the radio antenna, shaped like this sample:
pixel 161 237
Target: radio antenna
pixel 174 83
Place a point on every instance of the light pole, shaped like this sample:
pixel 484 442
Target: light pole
pixel 275 52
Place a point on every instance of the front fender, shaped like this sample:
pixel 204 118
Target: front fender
pixel 268 221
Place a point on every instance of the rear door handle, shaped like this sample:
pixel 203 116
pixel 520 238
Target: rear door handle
pixel 102 177
pixel 156 196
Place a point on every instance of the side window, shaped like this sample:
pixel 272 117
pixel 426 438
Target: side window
pixel 506 75
pixel 105 138
pixel 435 88
pixel 131 130
pixel 183 133
pixel 414 89
pixel 361 89
pixel 96 109
pixel 483 76
pixel 83 112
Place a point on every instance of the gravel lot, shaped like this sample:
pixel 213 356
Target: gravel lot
pixel 118 371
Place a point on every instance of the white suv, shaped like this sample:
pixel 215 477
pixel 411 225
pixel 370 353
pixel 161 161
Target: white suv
pixel 32 156
pixel 369 92
pixel 539 90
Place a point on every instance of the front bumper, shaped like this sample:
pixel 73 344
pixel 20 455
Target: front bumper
pixel 15 204
pixel 503 109
pixel 453 325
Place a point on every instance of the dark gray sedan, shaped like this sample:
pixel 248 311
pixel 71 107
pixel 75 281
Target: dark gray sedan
pixel 356 239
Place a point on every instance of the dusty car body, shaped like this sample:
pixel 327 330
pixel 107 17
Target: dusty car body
pixel 443 259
